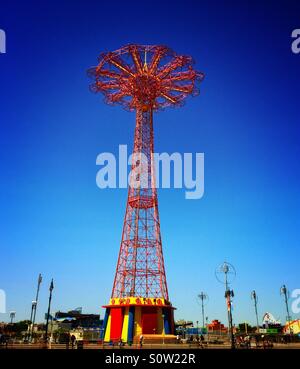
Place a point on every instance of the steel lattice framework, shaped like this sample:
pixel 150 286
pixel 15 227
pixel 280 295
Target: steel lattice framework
pixel 144 79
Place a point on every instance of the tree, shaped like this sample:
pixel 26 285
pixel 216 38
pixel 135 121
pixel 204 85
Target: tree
pixel 245 327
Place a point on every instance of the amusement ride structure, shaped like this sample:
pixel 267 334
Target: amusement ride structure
pixel 142 79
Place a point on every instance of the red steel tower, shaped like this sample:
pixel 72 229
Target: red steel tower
pixel 142 79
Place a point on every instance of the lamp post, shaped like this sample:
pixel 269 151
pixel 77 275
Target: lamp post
pixel 48 313
pixel 229 273
pixel 284 292
pixel 12 316
pixel 51 328
pixel 30 320
pixel 203 296
pixel 246 327
pixel 255 299
pixel 30 327
pixel 207 336
pixel 228 295
pixel 34 306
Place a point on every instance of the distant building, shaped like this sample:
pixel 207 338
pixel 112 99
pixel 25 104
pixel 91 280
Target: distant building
pixel 269 320
pixel 3 327
pixel 293 326
pixel 75 319
pixel 216 327
pixel 184 323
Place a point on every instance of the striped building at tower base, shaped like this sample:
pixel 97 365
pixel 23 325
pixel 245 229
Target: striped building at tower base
pixel 128 318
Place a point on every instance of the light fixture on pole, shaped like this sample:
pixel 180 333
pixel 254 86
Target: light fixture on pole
pixel 207 334
pixel 255 299
pixel 284 291
pixel 202 298
pixel 12 316
pixel 49 306
pixel 30 326
pixel 225 273
pixel 34 307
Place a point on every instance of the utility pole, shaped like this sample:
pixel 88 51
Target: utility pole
pixel 255 299
pixel 48 313
pixel 284 292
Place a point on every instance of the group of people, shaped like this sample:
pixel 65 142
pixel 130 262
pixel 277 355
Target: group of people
pixel 199 339
pixel 4 340
pixel 245 341
pixel 121 343
pixel 70 339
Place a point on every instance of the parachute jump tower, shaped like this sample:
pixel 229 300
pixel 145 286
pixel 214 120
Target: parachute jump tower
pixel 143 79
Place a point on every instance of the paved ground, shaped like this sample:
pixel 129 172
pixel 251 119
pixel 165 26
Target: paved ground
pixel 152 346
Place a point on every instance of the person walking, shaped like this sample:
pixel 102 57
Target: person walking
pixel 141 340
pixel 73 340
pixel 67 341
pixel 202 340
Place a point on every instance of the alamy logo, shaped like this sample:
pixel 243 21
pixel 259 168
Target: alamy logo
pixel 2 42
pixel 296 42
pixel 2 302
pixel 296 302
pixel 152 172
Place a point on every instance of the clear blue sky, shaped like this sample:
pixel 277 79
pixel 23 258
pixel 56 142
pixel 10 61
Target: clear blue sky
pixel 54 219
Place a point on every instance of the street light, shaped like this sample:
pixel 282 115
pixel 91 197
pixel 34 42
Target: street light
pixel 229 273
pixel 246 327
pixel 34 307
pixel 30 326
pixel 202 297
pixel 12 315
pixel 207 337
pixel 284 292
pixel 49 306
pixel 255 299
pixel 229 294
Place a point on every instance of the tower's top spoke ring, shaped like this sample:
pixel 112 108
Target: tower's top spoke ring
pixel 145 76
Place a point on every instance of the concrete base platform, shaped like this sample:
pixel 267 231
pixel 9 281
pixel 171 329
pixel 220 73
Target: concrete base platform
pixel 156 339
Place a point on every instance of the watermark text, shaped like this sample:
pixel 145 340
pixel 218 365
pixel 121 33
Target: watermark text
pixel 2 42
pixel 296 43
pixel 2 302
pixel 162 170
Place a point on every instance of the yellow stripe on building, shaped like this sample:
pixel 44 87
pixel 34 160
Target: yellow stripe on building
pixel 138 320
pixel 125 325
pixel 159 321
pixel 107 331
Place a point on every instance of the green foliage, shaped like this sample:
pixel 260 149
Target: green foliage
pixel 245 327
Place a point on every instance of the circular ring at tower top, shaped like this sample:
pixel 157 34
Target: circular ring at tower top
pixel 225 272
pixel 145 76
